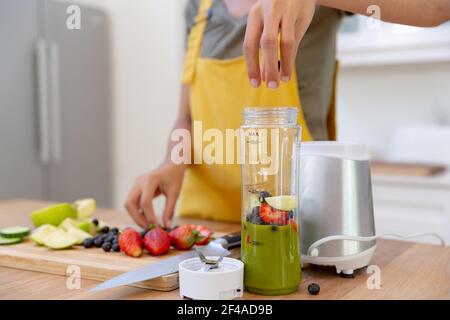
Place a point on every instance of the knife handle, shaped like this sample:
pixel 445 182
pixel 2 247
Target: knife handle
pixel 231 240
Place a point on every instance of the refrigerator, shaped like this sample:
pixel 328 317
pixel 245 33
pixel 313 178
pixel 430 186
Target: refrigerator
pixel 55 101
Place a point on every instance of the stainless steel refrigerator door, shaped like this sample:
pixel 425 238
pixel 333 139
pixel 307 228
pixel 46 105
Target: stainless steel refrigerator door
pixel 80 102
pixel 21 170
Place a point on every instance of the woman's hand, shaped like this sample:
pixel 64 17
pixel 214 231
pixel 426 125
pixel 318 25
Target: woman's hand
pixel 165 180
pixel 267 18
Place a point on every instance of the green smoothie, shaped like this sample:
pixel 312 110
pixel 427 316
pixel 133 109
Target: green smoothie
pixel 271 257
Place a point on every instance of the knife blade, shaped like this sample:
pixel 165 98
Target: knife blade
pixel 214 248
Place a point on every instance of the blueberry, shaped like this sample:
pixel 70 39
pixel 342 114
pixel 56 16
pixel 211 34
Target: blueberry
pixel 313 288
pixel 98 242
pixel 107 246
pixel 291 214
pixel 95 221
pixel 115 240
pixel 105 229
pixel 263 195
pixel 115 247
pixel 88 243
pixel 115 230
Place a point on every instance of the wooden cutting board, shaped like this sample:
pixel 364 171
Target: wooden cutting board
pixel 94 263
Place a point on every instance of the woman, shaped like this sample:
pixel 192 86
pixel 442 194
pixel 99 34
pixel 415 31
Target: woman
pixel 215 90
pixel 213 191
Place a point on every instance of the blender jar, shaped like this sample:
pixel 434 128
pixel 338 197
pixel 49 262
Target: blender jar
pixel 270 241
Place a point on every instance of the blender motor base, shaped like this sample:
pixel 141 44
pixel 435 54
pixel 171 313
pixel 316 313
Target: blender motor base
pixel 345 265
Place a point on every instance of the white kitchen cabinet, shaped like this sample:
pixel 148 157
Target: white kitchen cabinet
pixel 409 205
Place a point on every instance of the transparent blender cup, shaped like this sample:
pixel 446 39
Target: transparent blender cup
pixel 270 242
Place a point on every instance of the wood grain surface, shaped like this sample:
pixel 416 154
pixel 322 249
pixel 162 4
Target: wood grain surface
pixel 408 270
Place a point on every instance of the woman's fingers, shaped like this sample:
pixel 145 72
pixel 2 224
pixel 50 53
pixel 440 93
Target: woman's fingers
pixel 132 206
pixel 171 200
pixel 146 203
pixel 269 45
pixel 251 45
pixel 290 19
pixel 288 48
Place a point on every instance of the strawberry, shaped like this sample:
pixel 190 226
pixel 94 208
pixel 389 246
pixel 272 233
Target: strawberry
pixel 183 237
pixel 273 216
pixel 157 241
pixel 130 242
pixel 204 235
pixel 293 224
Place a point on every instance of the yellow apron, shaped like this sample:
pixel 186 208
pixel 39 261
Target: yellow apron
pixel 219 91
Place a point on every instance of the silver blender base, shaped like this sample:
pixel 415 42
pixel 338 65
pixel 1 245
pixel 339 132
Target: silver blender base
pixel 345 265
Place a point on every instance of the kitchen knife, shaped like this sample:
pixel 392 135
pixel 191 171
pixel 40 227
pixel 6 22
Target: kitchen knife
pixel 214 248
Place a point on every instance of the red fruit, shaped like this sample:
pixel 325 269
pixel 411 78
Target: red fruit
pixel 204 235
pixel 130 242
pixel 157 241
pixel 272 216
pixel 184 237
pixel 293 224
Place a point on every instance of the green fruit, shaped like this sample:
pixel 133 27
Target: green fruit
pixel 67 224
pixel 252 201
pixel 15 232
pixel 283 203
pixel 53 215
pixel 85 208
pixel 87 226
pixel 41 233
pixel 6 241
pixel 60 239
pixel 79 234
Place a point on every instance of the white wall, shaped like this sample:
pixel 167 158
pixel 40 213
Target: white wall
pixel 374 100
pixel 147 46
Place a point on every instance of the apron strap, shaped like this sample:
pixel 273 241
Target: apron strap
pixel 195 41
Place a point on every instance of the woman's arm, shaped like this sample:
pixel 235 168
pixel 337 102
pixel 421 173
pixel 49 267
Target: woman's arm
pixel 165 180
pixel 422 13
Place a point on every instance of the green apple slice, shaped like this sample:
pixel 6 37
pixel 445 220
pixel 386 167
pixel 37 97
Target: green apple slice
pixel 41 233
pixel 67 224
pixel 87 226
pixel 60 239
pixel 79 234
pixel 85 208
pixel 53 215
pixel 284 203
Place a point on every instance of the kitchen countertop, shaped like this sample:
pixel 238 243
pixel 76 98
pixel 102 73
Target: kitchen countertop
pixel 408 270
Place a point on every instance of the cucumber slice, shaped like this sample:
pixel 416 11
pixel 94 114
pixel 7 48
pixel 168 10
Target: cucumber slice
pixel 15 232
pixel 6 241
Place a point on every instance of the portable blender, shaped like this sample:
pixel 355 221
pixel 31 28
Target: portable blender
pixel 270 240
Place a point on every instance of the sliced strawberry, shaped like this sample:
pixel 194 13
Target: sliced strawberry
pixel 273 216
pixel 184 237
pixel 204 235
pixel 293 224
pixel 130 242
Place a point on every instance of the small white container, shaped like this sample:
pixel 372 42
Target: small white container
pixel 224 283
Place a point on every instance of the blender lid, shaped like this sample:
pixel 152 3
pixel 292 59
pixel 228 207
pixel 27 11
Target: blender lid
pixel 335 149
